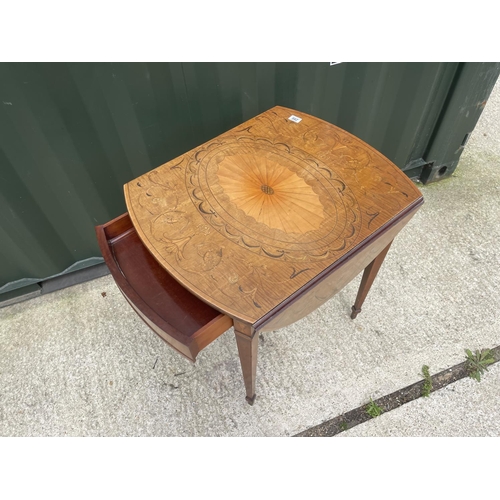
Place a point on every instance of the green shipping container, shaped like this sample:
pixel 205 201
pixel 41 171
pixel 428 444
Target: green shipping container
pixel 71 134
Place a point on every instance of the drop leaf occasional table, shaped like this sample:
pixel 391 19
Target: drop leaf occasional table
pixel 255 229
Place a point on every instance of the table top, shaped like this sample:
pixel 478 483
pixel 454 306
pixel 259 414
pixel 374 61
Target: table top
pixel 247 219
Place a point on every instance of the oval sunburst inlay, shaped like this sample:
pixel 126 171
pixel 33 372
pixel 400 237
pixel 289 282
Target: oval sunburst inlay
pixel 272 199
pixel 293 207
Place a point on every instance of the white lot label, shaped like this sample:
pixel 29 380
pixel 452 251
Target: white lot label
pixel 295 119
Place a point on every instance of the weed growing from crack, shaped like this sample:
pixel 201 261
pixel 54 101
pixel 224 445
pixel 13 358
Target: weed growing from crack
pixel 373 409
pixel 478 362
pixel 427 387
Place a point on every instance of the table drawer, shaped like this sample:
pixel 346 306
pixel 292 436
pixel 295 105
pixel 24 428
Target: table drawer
pixel 185 322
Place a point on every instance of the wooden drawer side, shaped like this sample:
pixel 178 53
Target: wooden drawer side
pixel 185 322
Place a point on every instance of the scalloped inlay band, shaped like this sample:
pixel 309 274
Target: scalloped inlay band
pixel 310 214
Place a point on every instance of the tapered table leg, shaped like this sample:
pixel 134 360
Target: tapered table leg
pixel 247 341
pixel 369 275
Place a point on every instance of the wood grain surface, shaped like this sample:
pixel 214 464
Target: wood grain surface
pixel 247 219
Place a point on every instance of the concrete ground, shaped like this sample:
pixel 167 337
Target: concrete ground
pixel 80 362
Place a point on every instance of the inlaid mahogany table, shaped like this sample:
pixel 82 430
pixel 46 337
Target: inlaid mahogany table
pixel 255 229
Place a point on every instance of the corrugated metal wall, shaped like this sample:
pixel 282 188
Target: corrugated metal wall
pixel 71 134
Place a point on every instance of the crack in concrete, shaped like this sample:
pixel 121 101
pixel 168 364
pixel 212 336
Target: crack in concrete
pixel 391 401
